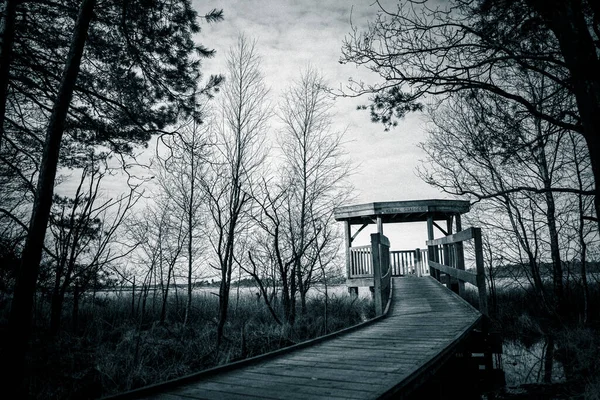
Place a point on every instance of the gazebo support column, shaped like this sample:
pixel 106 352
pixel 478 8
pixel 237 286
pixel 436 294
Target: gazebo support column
pixel 431 250
pixel 352 290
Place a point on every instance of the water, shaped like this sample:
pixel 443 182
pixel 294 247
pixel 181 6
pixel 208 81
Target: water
pixel 524 365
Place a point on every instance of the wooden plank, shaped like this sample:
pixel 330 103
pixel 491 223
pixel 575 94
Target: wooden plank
pixel 337 366
pixel 377 354
pixel 207 391
pixel 317 372
pixel 321 382
pixel 464 276
pixel 363 364
pixel 291 389
pixel 171 396
pixel 461 236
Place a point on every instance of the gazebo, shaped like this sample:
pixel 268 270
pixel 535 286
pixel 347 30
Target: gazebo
pixel 403 262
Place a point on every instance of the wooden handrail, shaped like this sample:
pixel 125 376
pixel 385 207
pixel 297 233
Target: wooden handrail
pixel 457 270
pixel 461 236
pixel 464 276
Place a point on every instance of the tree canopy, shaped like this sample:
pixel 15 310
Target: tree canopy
pixel 500 47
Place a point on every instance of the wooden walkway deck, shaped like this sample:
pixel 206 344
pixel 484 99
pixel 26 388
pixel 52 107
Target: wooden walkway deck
pixel 391 356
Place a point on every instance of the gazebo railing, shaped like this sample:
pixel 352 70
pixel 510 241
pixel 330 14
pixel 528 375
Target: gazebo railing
pixel 361 264
pixel 402 262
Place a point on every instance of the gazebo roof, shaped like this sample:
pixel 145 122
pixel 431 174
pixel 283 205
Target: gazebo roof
pixel 401 211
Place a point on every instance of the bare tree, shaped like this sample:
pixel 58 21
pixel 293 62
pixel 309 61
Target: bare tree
pixel 314 167
pixel 296 203
pixel 181 172
pixel 236 158
pixel 522 171
pixel 84 231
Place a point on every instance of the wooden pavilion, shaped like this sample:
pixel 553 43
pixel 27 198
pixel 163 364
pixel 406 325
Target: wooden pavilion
pixel 403 262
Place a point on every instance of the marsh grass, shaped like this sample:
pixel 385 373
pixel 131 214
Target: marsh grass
pixel 115 347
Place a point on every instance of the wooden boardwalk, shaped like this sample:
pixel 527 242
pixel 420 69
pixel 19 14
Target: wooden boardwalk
pixel 391 356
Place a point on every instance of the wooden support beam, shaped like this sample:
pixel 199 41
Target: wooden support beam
pixel 377 273
pixel 357 232
pixel 430 248
pixel 449 223
pixel 348 240
pixel 418 262
pixel 460 256
pixel 439 227
pixel 483 306
pixel 379 225
pixel 450 251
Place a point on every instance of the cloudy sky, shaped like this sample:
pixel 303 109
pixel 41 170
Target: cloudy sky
pixel 290 35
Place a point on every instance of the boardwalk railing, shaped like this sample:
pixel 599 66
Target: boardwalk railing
pixel 382 273
pixel 446 261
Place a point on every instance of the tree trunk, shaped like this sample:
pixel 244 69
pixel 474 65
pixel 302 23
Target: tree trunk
pixel 567 21
pixel 190 243
pixel 56 311
pixel 594 149
pixel 301 288
pixel 75 316
pixel 163 311
pixel 21 309
pixel 56 301
pixel 581 237
pixel 133 298
pixel 557 271
pixel 223 307
pixel 7 34
pixel 549 359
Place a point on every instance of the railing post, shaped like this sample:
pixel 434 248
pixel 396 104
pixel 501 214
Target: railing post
pixel 446 256
pixel 430 249
pixel 460 257
pixel 418 261
pixel 483 306
pixel 376 262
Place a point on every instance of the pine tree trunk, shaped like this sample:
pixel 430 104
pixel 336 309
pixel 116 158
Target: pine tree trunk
pixel 21 309
pixel 7 34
